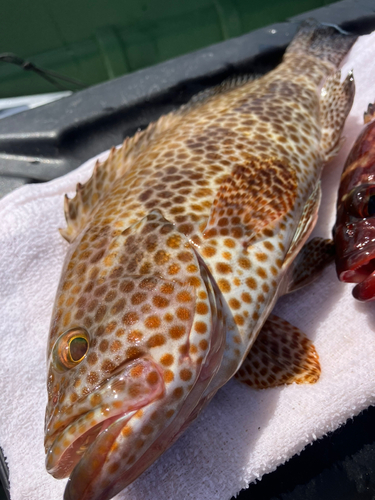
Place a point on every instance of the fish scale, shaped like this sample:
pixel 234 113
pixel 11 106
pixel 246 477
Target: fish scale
pixel 180 246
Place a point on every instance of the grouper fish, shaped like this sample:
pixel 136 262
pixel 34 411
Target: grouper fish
pixel 180 244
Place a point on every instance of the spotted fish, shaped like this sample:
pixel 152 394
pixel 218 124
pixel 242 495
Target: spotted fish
pixel 180 244
pixel 354 230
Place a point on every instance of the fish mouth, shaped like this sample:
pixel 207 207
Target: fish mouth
pixel 130 444
pixel 120 397
pixel 359 267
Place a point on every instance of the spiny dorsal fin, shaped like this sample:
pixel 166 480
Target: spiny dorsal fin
pixel 79 209
pixel 252 198
pixel 225 86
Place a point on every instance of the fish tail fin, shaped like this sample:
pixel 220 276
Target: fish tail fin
pixel 324 41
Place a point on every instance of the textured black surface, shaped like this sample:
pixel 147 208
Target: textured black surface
pixel 339 467
pixel 4 477
pixel 46 142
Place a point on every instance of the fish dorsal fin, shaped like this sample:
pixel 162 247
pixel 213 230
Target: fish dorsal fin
pixel 222 88
pixel 255 196
pixel 305 225
pixel 78 210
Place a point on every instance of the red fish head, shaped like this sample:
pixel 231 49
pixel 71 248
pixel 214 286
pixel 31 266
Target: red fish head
pixel 355 240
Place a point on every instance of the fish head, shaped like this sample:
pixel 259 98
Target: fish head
pixel 135 339
pixel 354 235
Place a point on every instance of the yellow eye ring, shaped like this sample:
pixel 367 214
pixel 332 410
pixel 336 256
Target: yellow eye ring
pixel 70 349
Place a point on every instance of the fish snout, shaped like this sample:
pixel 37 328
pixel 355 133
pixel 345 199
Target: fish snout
pixel 355 256
pixel 355 249
pixel 190 353
pixel 132 386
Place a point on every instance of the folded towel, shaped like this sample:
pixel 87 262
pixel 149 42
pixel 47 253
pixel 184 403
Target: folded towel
pixel 243 433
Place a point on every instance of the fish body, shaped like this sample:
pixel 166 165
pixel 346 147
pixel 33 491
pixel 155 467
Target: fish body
pixel 354 230
pixel 180 244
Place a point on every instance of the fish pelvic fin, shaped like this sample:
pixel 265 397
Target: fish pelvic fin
pixel 336 100
pixel 79 210
pixel 322 41
pixel 251 199
pixel 281 354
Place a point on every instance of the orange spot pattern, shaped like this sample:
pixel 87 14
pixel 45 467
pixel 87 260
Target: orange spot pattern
pixel 134 280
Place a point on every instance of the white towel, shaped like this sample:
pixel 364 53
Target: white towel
pixel 244 433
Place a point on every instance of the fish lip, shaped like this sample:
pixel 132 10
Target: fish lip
pixel 102 424
pixel 365 291
pixel 101 428
pixel 68 495
pixel 52 437
pixel 357 265
pixel 55 469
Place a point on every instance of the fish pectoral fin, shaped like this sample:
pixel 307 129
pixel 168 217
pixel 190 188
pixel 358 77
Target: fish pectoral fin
pixel 281 354
pixel 305 226
pixel 335 103
pixel 255 195
pixel 79 209
pixel 314 257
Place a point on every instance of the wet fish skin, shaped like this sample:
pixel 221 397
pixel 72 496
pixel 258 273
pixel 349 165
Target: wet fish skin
pixel 354 230
pixel 180 245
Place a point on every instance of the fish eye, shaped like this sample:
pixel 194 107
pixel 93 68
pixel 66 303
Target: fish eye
pixel 70 349
pixel 371 205
pixel 361 201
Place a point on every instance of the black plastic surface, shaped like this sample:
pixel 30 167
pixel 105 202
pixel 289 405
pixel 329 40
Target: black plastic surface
pixel 49 141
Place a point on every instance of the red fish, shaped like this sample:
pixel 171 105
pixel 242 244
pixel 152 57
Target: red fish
pixel 354 231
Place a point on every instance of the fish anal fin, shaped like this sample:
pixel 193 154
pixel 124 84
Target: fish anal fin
pixel 78 210
pixel 314 257
pixel 305 226
pixel 282 354
pixel 255 196
pixel 335 103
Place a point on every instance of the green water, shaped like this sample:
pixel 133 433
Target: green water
pixel 96 40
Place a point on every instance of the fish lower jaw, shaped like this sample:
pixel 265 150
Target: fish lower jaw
pixel 121 397
pixel 365 291
pixel 62 466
